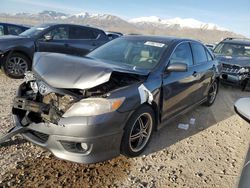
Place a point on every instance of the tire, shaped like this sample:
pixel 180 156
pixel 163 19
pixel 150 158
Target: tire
pixel 135 139
pixel 15 65
pixel 212 93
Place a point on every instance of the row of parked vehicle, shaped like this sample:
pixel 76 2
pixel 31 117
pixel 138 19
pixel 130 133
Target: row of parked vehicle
pixel 101 102
pixel 17 48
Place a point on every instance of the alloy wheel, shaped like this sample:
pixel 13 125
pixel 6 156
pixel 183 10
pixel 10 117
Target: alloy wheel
pixel 17 66
pixel 213 92
pixel 140 132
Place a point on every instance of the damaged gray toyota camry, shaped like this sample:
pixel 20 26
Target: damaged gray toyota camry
pixel 108 103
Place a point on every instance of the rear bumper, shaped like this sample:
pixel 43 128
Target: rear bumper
pixel 101 136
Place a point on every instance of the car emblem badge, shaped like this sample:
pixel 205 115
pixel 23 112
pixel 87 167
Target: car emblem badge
pixel 43 89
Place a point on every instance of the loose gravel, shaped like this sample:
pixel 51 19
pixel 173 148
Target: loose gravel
pixel 209 154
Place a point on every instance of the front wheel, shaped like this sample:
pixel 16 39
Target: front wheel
pixel 16 65
pixel 138 131
pixel 212 93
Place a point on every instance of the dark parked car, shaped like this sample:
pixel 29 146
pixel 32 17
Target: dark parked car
pixel 113 35
pixel 234 55
pixel 94 108
pixel 210 46
pixel 11 29
pixel 16 52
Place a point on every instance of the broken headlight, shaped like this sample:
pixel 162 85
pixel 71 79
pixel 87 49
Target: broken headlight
pixel 243 70
pixel 29 76
pixel 93 107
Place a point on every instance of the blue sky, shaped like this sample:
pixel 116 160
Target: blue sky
pixel 231 14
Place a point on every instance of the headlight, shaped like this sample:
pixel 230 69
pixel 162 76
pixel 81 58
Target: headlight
pixel 243 70
pixel 93 107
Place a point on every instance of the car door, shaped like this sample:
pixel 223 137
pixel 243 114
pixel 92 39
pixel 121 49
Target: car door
pixel 179 88
pixel 204 67
pixel 82 40
pixel 54 40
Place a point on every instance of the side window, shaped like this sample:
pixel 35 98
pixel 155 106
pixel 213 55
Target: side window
pixel 81 33
pixel 13 30
pixel 182 54
pixel 59 33
pixel 1 30
pixel 209 56
pixel 199 53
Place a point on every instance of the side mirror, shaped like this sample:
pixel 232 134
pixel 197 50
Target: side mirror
pixel 242 107
pixel 177 67
pixel 48 38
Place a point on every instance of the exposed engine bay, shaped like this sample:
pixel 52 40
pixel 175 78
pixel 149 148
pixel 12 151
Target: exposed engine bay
pixel 38 102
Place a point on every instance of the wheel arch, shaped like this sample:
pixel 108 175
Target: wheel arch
pixel 23 52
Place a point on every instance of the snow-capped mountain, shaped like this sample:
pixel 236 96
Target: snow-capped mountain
pixel 181 27
pixel 176 22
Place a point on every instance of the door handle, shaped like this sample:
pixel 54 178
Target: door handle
pixel 66 45
pixel 195 74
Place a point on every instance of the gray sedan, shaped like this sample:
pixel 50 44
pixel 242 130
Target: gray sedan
pixel 109 103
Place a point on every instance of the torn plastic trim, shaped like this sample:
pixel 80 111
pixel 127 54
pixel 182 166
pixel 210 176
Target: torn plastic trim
pixel 145 94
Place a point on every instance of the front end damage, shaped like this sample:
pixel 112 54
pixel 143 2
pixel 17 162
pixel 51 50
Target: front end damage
pixel 235 74
pixel 56 119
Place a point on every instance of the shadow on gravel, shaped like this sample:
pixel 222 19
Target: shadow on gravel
pixel 12 142
pixel 47 171
pixel 205 117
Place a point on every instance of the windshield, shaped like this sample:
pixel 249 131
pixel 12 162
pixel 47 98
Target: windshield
pixel 139 53
pixel 34 31
pixel 229 49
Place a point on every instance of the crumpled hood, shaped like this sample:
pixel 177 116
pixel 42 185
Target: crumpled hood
pixel 241 61
pixel 72 72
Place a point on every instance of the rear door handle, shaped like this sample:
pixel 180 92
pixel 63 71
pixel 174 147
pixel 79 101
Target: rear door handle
pixel 66 45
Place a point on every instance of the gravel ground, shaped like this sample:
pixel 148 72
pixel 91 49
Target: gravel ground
pixel 209 154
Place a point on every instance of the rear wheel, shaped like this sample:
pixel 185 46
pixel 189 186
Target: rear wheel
pixel 212 93
pixel 16 65
pixel 137 132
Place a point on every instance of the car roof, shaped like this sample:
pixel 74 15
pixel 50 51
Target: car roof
pixel 237 41
pixel 164 39
pixel 18 25
pixel 55 24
